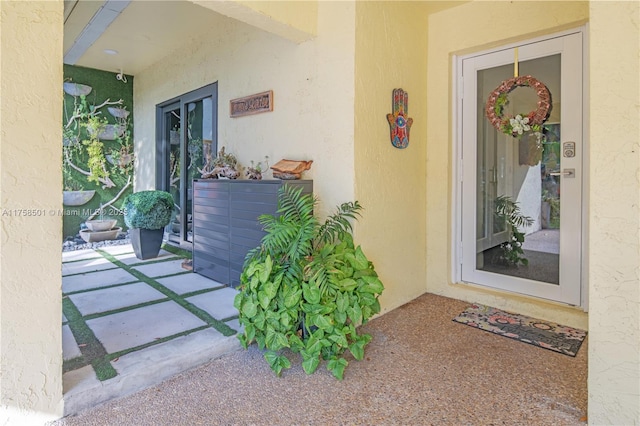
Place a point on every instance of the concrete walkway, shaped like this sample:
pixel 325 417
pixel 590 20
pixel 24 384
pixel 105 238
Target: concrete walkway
pixel 129 324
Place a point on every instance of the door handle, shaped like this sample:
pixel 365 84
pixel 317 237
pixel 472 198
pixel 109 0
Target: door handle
pixel 570 173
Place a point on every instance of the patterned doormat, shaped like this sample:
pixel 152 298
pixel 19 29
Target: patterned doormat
pixel 545 334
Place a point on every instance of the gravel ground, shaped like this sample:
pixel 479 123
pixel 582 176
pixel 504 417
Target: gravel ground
pixel 420 369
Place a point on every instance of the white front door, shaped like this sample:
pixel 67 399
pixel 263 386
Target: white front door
pixel 521 197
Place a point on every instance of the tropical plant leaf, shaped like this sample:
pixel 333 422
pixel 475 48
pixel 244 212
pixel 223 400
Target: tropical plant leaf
pixel 292 297
pixel 348 284
pixel 295 343
pixel 311 293
pixel 355 314
pixel 244 341
pixel 237 300
pixel 374 285
pixel 337 366
pixel 322 322
pixel 342 302
pixel 310 361
pixel 266 270
pixel 277 362
pixel 249 309
pixel 357 350
pixel 361 260
pixel 275 340
pixel 270 288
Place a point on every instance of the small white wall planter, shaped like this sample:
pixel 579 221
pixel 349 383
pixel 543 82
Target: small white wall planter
pixel 77 198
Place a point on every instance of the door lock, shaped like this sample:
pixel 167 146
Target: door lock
pixel 569 149
pixel 568 173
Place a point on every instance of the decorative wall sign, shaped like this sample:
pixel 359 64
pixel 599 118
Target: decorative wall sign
pixel 254 104
pixel 399 123
pixel 516 125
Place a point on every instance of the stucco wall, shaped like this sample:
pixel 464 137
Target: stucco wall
pixel 313 98
pixel 390 182
pixel 298 14
pixel 294 20
pixel 467 28
pixel 614 217
pixel 30 250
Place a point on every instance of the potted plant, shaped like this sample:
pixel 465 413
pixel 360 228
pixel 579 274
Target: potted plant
pixel 225 165
pixel 146 213
pixel 307 287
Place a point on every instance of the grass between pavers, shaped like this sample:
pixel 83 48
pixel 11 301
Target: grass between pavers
pixel 203 315
pixel 94 353
pixel 68 262
pixel 90 272
pixel 90 347
pixel 86 290
pixel 177 250
pixel 158 340
pixel 124 309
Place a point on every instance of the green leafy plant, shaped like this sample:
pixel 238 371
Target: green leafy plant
pixel 148 209
pixel 95 148
pixel 307 287
pixel 508 214
pixel 68 182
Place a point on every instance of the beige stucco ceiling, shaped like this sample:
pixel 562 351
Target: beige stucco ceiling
pixel 146 31
pixel 142 34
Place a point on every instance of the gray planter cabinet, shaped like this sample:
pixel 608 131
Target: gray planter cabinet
pixel 225 222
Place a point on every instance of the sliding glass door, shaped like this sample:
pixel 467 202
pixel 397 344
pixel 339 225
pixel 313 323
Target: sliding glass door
pixel 186 129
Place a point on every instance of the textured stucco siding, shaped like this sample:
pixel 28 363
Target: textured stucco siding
pixel 30 198
pixel 390 182
pixel 614 216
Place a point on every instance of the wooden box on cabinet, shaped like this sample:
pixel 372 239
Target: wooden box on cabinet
pixel 225 222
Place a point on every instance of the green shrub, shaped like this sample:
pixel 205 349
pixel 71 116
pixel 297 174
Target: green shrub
pixel 148 209
pixel 307 287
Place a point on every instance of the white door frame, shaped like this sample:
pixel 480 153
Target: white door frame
pixel 456 219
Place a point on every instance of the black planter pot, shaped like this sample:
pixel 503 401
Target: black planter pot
pixel 146 242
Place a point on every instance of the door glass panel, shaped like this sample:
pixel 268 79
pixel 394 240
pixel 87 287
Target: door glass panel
pixel 518 182
pixel 199 140
pixel 188 132
pixel 173 129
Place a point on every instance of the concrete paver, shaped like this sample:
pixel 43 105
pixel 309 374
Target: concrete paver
pixel 70 348
pixel 217 303
pixel 88 265
pixel 131 259
pixel 80 384
pixel 128 329
pixel 96 279
pixel 141 369
pixel 161 268
pixel 131 328
pixel 112 298
pixel 119 249
pixel 186 283
pixel 69 256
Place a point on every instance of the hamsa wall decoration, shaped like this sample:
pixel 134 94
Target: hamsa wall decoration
pixel 399 121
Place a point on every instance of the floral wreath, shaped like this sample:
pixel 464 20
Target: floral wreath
pixel 516 126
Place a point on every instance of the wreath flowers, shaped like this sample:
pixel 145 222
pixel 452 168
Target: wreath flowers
pixel 516 126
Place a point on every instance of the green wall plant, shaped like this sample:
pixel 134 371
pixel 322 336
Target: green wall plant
pixel 89 161
pixel 307 288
